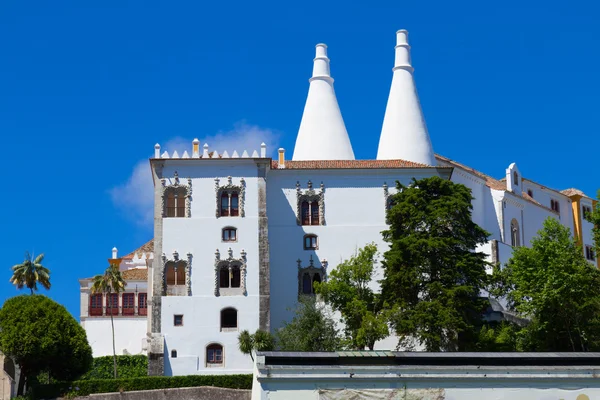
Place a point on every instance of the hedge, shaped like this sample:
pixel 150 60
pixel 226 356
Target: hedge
pixel 127 367
pixel 87 387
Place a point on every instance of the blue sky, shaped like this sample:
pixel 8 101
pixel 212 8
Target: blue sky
pixel 87 89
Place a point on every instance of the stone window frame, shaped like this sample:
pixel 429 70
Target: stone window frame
pixel 229 188
pixel 311 235
pixel 176 187
pixel 310 195
pixel 229 262
pixel 229 227
pixel 311 270
pixel 176 260
pixel 215 364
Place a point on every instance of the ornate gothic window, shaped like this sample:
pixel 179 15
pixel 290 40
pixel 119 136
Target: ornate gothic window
pixel 230 274
pixel 176 198
pixel 308 276
pixel 515 240
pixel 214 355
pixel 311 205
pixel 229 319
pixel 230 198
pixel 310 242
pixel 176 275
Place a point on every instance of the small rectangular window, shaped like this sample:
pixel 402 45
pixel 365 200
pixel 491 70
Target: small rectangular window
pixel 589 253
pixel 178 320
pixel 128 303
pixel 143 304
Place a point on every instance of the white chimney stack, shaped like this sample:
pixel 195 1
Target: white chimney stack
pixel 404 133
pixel 322 134
pixel 114 253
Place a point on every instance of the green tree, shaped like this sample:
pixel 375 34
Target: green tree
pixel 259 341
pixel 594 217
pixel 553 286
pixel 111 282
pixel 311 329
pixel 348 291
pixel 432 274
pixel 31 272
pixel 40 335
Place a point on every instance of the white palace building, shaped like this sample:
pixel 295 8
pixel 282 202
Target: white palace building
pixel 238 237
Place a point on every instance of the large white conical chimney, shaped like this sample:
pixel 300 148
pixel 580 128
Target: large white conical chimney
pixel 404 133
pixel 322 134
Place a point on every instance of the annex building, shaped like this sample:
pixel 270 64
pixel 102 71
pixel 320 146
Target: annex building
pixel 238 237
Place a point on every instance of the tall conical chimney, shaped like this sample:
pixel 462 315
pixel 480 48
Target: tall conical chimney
pixel 322 134
pixel 404 133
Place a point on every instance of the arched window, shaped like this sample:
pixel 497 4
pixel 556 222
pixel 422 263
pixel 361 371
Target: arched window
pixel 229 234
pixel 310 242
pixel 305 213
pixel 235 276
pixel 514 233
pixel 175 274
pixel 555 205
pixel 224 204
pixel 234 205
pixel 214 355
pixel 229 318
pixel 516 178
pixel 173 353
pixel 316 278
pixel 530 193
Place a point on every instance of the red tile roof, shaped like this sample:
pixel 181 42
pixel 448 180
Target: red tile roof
pixel 135 274
pixel 573 192
pixel 146 248
pixel 348 164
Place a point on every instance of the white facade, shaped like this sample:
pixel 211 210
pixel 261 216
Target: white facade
pixel 237 237
pixel 129 317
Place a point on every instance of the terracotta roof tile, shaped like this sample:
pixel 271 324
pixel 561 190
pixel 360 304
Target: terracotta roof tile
pixel 348 164
pixel 573 192
pixel 146 248
pixel 135 274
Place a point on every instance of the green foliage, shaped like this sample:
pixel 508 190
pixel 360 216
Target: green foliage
pixel 311 329
pixel 432 275
pixel 594 218
pixel 347 291
pixel 110 282
pixel 31 272
pixel 259 341
pixel 553 285
pixel 129 367
pixel 87 387
pixel 496 337
pixel 40 335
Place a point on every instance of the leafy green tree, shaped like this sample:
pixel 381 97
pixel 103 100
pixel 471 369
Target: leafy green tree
pixel 259 341
pixel 594 217
pixel 40 335
pixel 348 291
pixel 432 274
pixel 111 282
pixel 553 286
pixel 31 272
pixel 311 329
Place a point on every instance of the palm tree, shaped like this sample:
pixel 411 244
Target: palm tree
pixel 259 341
pixel 31 272
pixel 111 282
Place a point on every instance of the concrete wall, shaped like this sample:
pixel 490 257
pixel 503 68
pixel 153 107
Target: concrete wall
pixel 194 393
pixel 8 386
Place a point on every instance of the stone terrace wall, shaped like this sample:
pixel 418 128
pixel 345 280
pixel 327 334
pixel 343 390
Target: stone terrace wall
pixel 193 393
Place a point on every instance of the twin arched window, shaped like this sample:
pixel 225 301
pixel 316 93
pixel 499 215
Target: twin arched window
pixel 310 213
pixel 311 242
pixel 230 276
pixel 230 204
pixel 175 205
pixel 308 281
pixel 229 234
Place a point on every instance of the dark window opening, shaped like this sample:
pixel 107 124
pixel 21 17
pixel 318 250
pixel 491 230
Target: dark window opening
pixel 229 318
pixel 173 353
pixel 306 284
pixel 236 277
pixel 175 275
pixel 224 277
pixel 589 253
pixel 178 320
pixel 128 303
pixel 234 205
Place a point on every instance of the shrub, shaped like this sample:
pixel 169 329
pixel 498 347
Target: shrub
pixel 87 387
pixel 127 367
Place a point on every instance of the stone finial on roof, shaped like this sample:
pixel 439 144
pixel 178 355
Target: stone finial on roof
pixel 322 134
pixel 404 134
pixel 114 252
pixel 195 148
pixel 157 150
pixel 205 152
